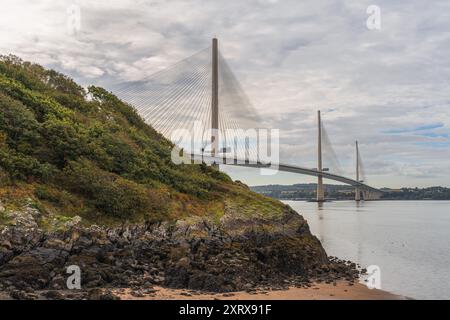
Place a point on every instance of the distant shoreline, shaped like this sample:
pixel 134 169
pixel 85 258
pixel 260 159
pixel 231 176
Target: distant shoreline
pixel 306 192
pixel 377 200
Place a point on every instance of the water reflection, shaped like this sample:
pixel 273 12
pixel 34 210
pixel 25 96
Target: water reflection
pixel 409 240
pixel 322 224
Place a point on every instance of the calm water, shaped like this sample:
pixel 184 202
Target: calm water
pixel 408 240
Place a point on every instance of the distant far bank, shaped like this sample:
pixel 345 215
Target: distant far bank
pixel 307 191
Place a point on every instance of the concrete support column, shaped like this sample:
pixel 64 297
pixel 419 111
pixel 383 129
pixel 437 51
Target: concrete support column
pixel 320 191
pixel 215 99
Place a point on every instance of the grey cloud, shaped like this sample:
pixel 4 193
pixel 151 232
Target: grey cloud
pixel 292 58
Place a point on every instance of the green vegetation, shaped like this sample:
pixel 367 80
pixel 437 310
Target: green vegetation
pixel 305 191
pixel 85 152
pixel 431 193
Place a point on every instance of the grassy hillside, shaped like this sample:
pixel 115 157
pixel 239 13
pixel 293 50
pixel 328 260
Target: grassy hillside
pixel 72 152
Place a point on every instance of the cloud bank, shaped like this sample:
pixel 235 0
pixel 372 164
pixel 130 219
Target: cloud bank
pixel 387 88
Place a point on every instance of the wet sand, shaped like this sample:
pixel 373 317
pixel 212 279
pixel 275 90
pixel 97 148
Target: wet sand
pixel 319 291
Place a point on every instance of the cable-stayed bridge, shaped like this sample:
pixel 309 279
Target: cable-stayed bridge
pixel 200 97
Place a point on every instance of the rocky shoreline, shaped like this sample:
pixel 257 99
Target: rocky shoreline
pixel 233 255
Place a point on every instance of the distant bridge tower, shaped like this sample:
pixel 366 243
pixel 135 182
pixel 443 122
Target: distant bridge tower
pixel 215 99
pixel 320 191
pixel 357 191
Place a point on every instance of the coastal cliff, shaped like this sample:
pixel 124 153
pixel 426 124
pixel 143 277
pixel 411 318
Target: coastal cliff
pixel 85 181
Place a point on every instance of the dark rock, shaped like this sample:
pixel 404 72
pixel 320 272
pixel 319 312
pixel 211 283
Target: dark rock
pixel 108 295
pixel 141 256
pixel 137 293
pixel 53 295
pixel 100 294
pixel 22 295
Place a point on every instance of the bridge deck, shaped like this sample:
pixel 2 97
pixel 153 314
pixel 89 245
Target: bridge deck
pixel 285 168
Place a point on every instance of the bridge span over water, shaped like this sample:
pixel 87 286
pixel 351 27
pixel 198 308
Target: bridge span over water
pixel 369 193
pixel 203 88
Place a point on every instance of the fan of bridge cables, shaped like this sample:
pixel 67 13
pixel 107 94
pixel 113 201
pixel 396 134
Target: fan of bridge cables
pixel 180 96
pixel 362 173
pixel 330 160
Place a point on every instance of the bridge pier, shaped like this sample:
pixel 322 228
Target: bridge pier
pixel 320 191
pixel 357 194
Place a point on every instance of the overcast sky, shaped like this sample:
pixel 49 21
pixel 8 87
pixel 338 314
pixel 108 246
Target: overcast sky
pixel 388 88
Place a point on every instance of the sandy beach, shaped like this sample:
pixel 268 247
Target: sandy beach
pixel 318 291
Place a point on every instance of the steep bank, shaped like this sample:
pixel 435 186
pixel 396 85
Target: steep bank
pixel 201 256
pixel 84 181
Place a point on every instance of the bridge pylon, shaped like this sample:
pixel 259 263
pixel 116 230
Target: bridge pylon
pixel 215 99
pixel 320 191
pixel 357 191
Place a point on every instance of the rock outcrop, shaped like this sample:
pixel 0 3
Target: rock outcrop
pixel 229 256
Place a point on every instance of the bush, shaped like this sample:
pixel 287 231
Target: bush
pixel 65 141
pixel 45 193
pixel 108 192
pixel 23 167
pixel 122 198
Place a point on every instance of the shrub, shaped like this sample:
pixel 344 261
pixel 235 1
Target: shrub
pixel 43 192
pixel 108 192
pixel 20 166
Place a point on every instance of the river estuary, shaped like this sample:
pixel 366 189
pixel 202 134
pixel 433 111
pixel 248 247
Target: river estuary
pixel 408 240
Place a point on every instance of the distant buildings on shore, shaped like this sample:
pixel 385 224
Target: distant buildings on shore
pixel 307 191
